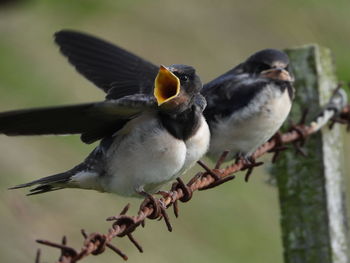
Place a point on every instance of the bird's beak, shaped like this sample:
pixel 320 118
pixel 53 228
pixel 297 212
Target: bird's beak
pixel 166 86
pixel 278 74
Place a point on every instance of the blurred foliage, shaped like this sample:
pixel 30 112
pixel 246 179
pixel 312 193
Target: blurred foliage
pixel 237 222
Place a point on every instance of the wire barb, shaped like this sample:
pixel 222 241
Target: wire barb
pixel 37 256
pixel 279 147
pixel 133 240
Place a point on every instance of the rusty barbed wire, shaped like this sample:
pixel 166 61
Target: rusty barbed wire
pixel 336 111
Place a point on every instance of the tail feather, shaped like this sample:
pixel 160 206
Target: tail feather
pixel 46 184
pixel 44 189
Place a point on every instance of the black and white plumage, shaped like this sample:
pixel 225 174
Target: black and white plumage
pixel 246 105
pixel 146 140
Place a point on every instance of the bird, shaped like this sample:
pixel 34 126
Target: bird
pixel 146 140
pixel 246 105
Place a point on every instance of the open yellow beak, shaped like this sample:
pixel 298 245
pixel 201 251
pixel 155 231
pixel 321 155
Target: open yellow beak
pixel 166 86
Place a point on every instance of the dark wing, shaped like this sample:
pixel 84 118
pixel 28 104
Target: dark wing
pixel 92 120
pixel 111 68
pixel 228 94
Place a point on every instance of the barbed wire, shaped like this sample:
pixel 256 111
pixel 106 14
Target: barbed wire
pixel 336 111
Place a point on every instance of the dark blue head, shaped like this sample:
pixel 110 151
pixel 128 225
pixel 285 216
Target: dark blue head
pixel 269 63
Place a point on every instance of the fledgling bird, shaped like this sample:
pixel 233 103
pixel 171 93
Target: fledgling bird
pixel 248 104
pixel 245 106
pixel 146 140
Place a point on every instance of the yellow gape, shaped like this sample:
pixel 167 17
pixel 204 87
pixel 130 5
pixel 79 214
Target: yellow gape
pixel 166 86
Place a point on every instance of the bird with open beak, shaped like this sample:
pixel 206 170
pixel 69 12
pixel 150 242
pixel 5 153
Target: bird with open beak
pixel 146 140
pixel 246 105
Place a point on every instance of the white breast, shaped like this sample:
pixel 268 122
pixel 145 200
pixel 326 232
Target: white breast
pixel 144 156
pixel 252 126
pixel 197 145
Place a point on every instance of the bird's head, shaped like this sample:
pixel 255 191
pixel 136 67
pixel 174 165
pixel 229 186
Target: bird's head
pixel 269 63
pixel 175 87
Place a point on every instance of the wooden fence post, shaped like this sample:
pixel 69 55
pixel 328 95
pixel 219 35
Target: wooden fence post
pixel 311 189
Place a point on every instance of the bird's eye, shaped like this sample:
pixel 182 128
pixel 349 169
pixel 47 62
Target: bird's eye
pixel 184 78
pixel 264 66
pixel 261 67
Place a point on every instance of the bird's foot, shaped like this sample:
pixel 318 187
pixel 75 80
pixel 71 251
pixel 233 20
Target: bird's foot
pixel 249 164
pixel 158 206
pixel 216 174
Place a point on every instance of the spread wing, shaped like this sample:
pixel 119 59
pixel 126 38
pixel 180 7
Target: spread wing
pixel 111 68
pixel 92 120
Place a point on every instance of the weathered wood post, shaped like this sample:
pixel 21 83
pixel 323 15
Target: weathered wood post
pixel 312 202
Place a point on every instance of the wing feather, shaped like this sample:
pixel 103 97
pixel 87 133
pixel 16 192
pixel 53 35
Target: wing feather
pixel 92 120
pixel 108 66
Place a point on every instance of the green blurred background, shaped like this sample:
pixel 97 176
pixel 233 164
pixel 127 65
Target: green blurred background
pixel 237 222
